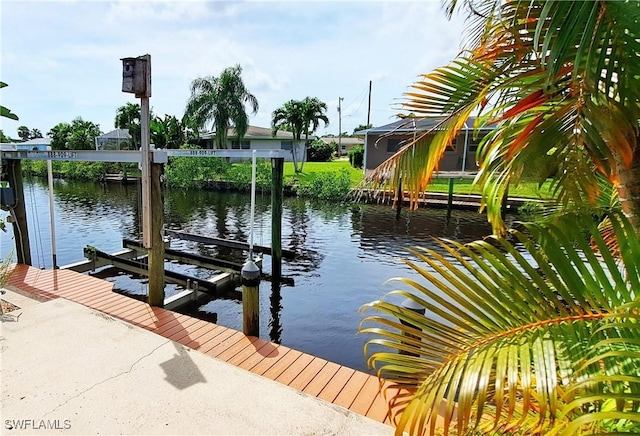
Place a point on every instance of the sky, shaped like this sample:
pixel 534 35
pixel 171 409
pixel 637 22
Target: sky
pixel 61 59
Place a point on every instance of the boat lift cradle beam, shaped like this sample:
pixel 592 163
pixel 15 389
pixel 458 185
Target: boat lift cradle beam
pixel 129 156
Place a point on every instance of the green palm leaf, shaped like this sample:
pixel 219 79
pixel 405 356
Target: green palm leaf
pixel 560 78
pixel 535 333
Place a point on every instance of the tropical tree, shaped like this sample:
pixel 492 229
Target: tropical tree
pixel 128 117
pixel 313 111
pixel 290 117
pixel 23 133
pixel 60 136
pixel 4 138
pixel 4 112
pixel 35 133
pixel 79 135
pixel 535 334
pixel 362 127
pixel 83 135
pixel 559 80
pixel 221 100
pixel 167 132
pixel 299 117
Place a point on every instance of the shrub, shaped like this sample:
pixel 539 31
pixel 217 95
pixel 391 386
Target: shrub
pixel 191 172
pixel 332 186
pixel 320 151
pixel 70 169
pixel 240 175
pixel 356 156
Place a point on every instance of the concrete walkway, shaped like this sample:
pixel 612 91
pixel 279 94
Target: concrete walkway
pixel 67 369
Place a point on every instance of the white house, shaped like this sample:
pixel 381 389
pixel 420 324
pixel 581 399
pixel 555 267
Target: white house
pixel 259 138
pixel 34 144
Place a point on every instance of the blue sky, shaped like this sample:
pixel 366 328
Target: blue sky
pixel 61 59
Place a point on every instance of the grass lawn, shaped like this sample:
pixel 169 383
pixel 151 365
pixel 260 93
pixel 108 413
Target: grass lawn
pixel 311 168
pixel 461 186
pixel 465 186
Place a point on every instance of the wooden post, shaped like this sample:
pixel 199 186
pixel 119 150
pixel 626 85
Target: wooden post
pixel 156 252
pixel 415 307
pixel 277 175
pixel 450 200
pixel 250 275
pixel 399 200
pixel 20 228
pixel 505 202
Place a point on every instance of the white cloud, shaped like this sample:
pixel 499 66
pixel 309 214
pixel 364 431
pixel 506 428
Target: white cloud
pixel 66 62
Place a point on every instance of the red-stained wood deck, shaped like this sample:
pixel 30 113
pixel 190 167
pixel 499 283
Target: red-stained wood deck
pixel 354 390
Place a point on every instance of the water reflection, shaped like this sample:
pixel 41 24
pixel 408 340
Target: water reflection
pixel 377 229
pixel 297 222
pixel 346 253
pixel 275 299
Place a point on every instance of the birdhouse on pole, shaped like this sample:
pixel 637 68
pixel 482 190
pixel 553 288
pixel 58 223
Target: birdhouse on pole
pixel 136 76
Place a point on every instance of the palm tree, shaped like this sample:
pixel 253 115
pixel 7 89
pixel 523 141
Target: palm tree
pixel 221 100
pixel 290 117
pixel 560 79
pixel 536 334
pixel 299 117
pixel 23 133
pixel 314 111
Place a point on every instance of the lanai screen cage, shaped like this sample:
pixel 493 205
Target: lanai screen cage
pixel 118 139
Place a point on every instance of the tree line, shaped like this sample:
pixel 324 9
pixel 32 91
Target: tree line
pixel 216 102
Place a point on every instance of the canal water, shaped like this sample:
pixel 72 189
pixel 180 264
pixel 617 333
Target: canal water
pixel 346 253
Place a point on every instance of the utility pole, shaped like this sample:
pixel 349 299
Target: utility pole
pixel 340 126
pixel 369 107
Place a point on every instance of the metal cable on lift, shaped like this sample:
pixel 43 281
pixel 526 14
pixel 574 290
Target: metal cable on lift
pixel 34 213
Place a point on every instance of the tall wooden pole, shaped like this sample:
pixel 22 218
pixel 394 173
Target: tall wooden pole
pixel 145 178
pixel 156 251
pixel 20 229
pixel 277 176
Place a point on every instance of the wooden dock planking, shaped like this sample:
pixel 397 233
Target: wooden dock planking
pixel 243 343
pixel 293 370
pixel 350 391
pixel 341 378
pixel 315 376
pixel 320 380
pixel 257 347
pixel 282 364
pixel 225 344
pixel 265 358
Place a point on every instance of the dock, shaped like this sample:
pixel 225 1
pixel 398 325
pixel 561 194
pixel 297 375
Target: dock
pixel 337 384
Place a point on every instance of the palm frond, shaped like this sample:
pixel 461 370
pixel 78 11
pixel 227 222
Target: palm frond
pixel 533 333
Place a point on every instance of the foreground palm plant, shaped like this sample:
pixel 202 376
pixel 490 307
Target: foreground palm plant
pixel 535 334
pixel 560 82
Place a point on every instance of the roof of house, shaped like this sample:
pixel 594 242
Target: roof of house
pixel 343 140
pixel 412 124
pixel 116 134
pixel 37 141
pixel 253 132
